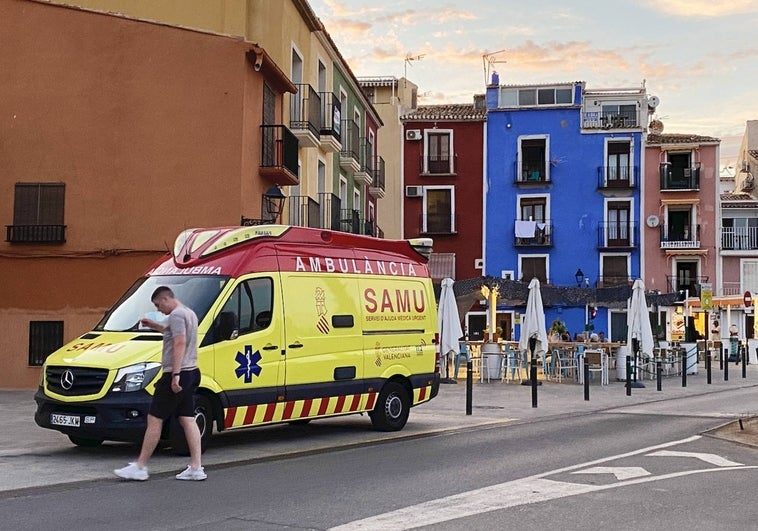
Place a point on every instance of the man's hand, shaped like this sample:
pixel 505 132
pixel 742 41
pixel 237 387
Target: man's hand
pixel 175 387
pixel 153 325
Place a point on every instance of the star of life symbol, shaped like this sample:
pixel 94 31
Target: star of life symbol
pixel 248 364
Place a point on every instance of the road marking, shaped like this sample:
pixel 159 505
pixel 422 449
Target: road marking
pixel 713 459
pixel 621 472
pixel 525 491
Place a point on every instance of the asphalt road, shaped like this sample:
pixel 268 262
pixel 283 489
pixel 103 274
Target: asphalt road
pixel 619 467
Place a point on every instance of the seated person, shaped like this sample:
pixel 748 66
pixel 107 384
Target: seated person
pixel 601 337
pixel 594 338
pixel 566 337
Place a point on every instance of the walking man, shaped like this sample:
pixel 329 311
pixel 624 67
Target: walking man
pixel 175 390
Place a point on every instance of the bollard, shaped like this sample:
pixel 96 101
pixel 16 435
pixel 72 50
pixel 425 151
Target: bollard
pixel 743 350
pixel 586 370
pixel 726 366
pixel 469 385
pixel 533 377
pixel 708 367
pixel 721 359
pixel 628 376
pixel 684 367
pixel 658 372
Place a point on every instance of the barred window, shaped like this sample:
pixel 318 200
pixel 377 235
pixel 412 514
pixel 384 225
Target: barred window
pixel 39 204
pixel 44 338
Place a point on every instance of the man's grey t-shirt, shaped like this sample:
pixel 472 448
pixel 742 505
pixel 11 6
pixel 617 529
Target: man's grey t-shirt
pixel 181 322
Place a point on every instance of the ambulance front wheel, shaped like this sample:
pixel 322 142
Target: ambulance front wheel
pixel 392 408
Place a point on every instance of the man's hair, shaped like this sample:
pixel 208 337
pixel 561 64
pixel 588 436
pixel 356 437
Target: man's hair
pixel 161 291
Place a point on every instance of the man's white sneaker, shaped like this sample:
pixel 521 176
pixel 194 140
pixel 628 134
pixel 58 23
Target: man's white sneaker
pixel 192 474
pixel 132 471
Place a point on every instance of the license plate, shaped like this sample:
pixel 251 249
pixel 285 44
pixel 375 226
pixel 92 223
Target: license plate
pixel 65 420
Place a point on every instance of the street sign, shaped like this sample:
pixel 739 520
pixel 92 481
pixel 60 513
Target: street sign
pixel 748 299
pixel 706 297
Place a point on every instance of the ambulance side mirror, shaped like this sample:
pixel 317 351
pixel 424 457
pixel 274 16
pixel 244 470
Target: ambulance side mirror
pixel 226 326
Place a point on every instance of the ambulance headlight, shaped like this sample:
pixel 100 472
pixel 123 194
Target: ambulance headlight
pixel 135 377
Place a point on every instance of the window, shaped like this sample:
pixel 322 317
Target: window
pixel 527 97
pixel 45 337
pixel 533 267
pixel 679 172
pixel 750 275
pixel 438 150
pixel 619 115
pixel 618 228
pixel 247 310
pixel 533 208
pixel 438 210
pixel 617 168
pixel 615 270
pixel 38 213
pixel 533 160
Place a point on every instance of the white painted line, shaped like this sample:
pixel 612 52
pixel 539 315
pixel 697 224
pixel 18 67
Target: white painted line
pixel 523 491
pixel 621 472
pixel 713 459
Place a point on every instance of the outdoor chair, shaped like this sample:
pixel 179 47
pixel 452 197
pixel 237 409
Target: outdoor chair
pixel 511 364
pixel 597 364
pixel 566 365
pixel 462 353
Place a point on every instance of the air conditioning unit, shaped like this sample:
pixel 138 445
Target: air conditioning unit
pixel 414 191
pixel 413 134
pixel 479 263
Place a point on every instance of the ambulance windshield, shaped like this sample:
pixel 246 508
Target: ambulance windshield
pixel 195 292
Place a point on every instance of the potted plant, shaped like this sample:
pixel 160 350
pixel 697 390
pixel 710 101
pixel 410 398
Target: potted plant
pixel 557 329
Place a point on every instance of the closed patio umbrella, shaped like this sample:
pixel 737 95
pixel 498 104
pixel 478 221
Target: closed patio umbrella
pixel 638 325
pixel 533 325
pixel 449 322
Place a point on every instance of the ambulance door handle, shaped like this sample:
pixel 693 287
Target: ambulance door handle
pixel 295 345
pixel 270 347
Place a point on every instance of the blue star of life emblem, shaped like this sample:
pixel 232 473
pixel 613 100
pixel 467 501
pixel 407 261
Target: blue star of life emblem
pixel 248 364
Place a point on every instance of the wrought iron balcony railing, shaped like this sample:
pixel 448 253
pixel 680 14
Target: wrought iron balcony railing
pixel 679 178
pixel 279 154
pixel 618 235
pixel 680 236
pixel 617 177
pixel 35 233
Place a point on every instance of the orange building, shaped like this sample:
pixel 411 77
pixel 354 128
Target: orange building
pixel 115 135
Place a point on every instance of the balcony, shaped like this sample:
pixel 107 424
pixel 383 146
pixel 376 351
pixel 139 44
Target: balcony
pixel 691 283
pixel 533 233
pixel 732 288
pixel 614 178
pixel 739 238
pixel 377 186
pixel 351 145
pixel 305 115
pixel 330 137
pixel 609 120
pixel 680 237
pixel 351 221
pixel 531 172
pixel 614 235
pixel 279 155
pixel 304 211
pixel 35 233
pixel 679 178
pixel 365 174
pixel 438 165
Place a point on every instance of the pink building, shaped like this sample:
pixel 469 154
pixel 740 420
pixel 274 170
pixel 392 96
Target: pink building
pixel 679 210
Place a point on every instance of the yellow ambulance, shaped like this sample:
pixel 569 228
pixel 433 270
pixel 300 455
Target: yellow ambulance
pixel 294 324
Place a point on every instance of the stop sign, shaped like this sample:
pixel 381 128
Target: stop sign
pixel 748 299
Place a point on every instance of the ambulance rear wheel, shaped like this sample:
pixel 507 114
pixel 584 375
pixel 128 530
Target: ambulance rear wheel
pixel 392 408
pixel 204 420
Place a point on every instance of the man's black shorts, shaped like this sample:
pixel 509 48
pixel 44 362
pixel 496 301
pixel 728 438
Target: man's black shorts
pixel 182 404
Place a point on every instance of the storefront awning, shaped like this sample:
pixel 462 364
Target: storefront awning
pixel 442 265
pixel 686 252
pixel 693 201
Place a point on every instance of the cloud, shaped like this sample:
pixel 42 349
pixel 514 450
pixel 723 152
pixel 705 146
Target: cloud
pixel 703 8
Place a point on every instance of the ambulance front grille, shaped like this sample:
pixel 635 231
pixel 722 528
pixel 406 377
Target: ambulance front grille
pixel 75 381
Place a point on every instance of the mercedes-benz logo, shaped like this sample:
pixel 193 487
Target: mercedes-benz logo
pixel 67 379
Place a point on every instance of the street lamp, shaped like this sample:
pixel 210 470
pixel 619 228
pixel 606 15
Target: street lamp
pixel 273 202
pixel 579 278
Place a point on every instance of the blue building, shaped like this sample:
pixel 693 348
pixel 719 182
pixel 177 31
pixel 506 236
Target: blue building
pixel 563 192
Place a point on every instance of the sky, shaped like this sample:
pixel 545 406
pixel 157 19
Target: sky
pixel 700 57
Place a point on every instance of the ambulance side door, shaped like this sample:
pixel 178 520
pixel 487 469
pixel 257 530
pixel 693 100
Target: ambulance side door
pixel 248 341
pixel 323 336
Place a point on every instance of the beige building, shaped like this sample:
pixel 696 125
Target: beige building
pixel 392 98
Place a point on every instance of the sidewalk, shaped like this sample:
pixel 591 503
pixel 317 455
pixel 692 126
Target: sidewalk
pixel 31 456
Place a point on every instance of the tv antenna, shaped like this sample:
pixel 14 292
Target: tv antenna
pixel 408 61
pixel 488 60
